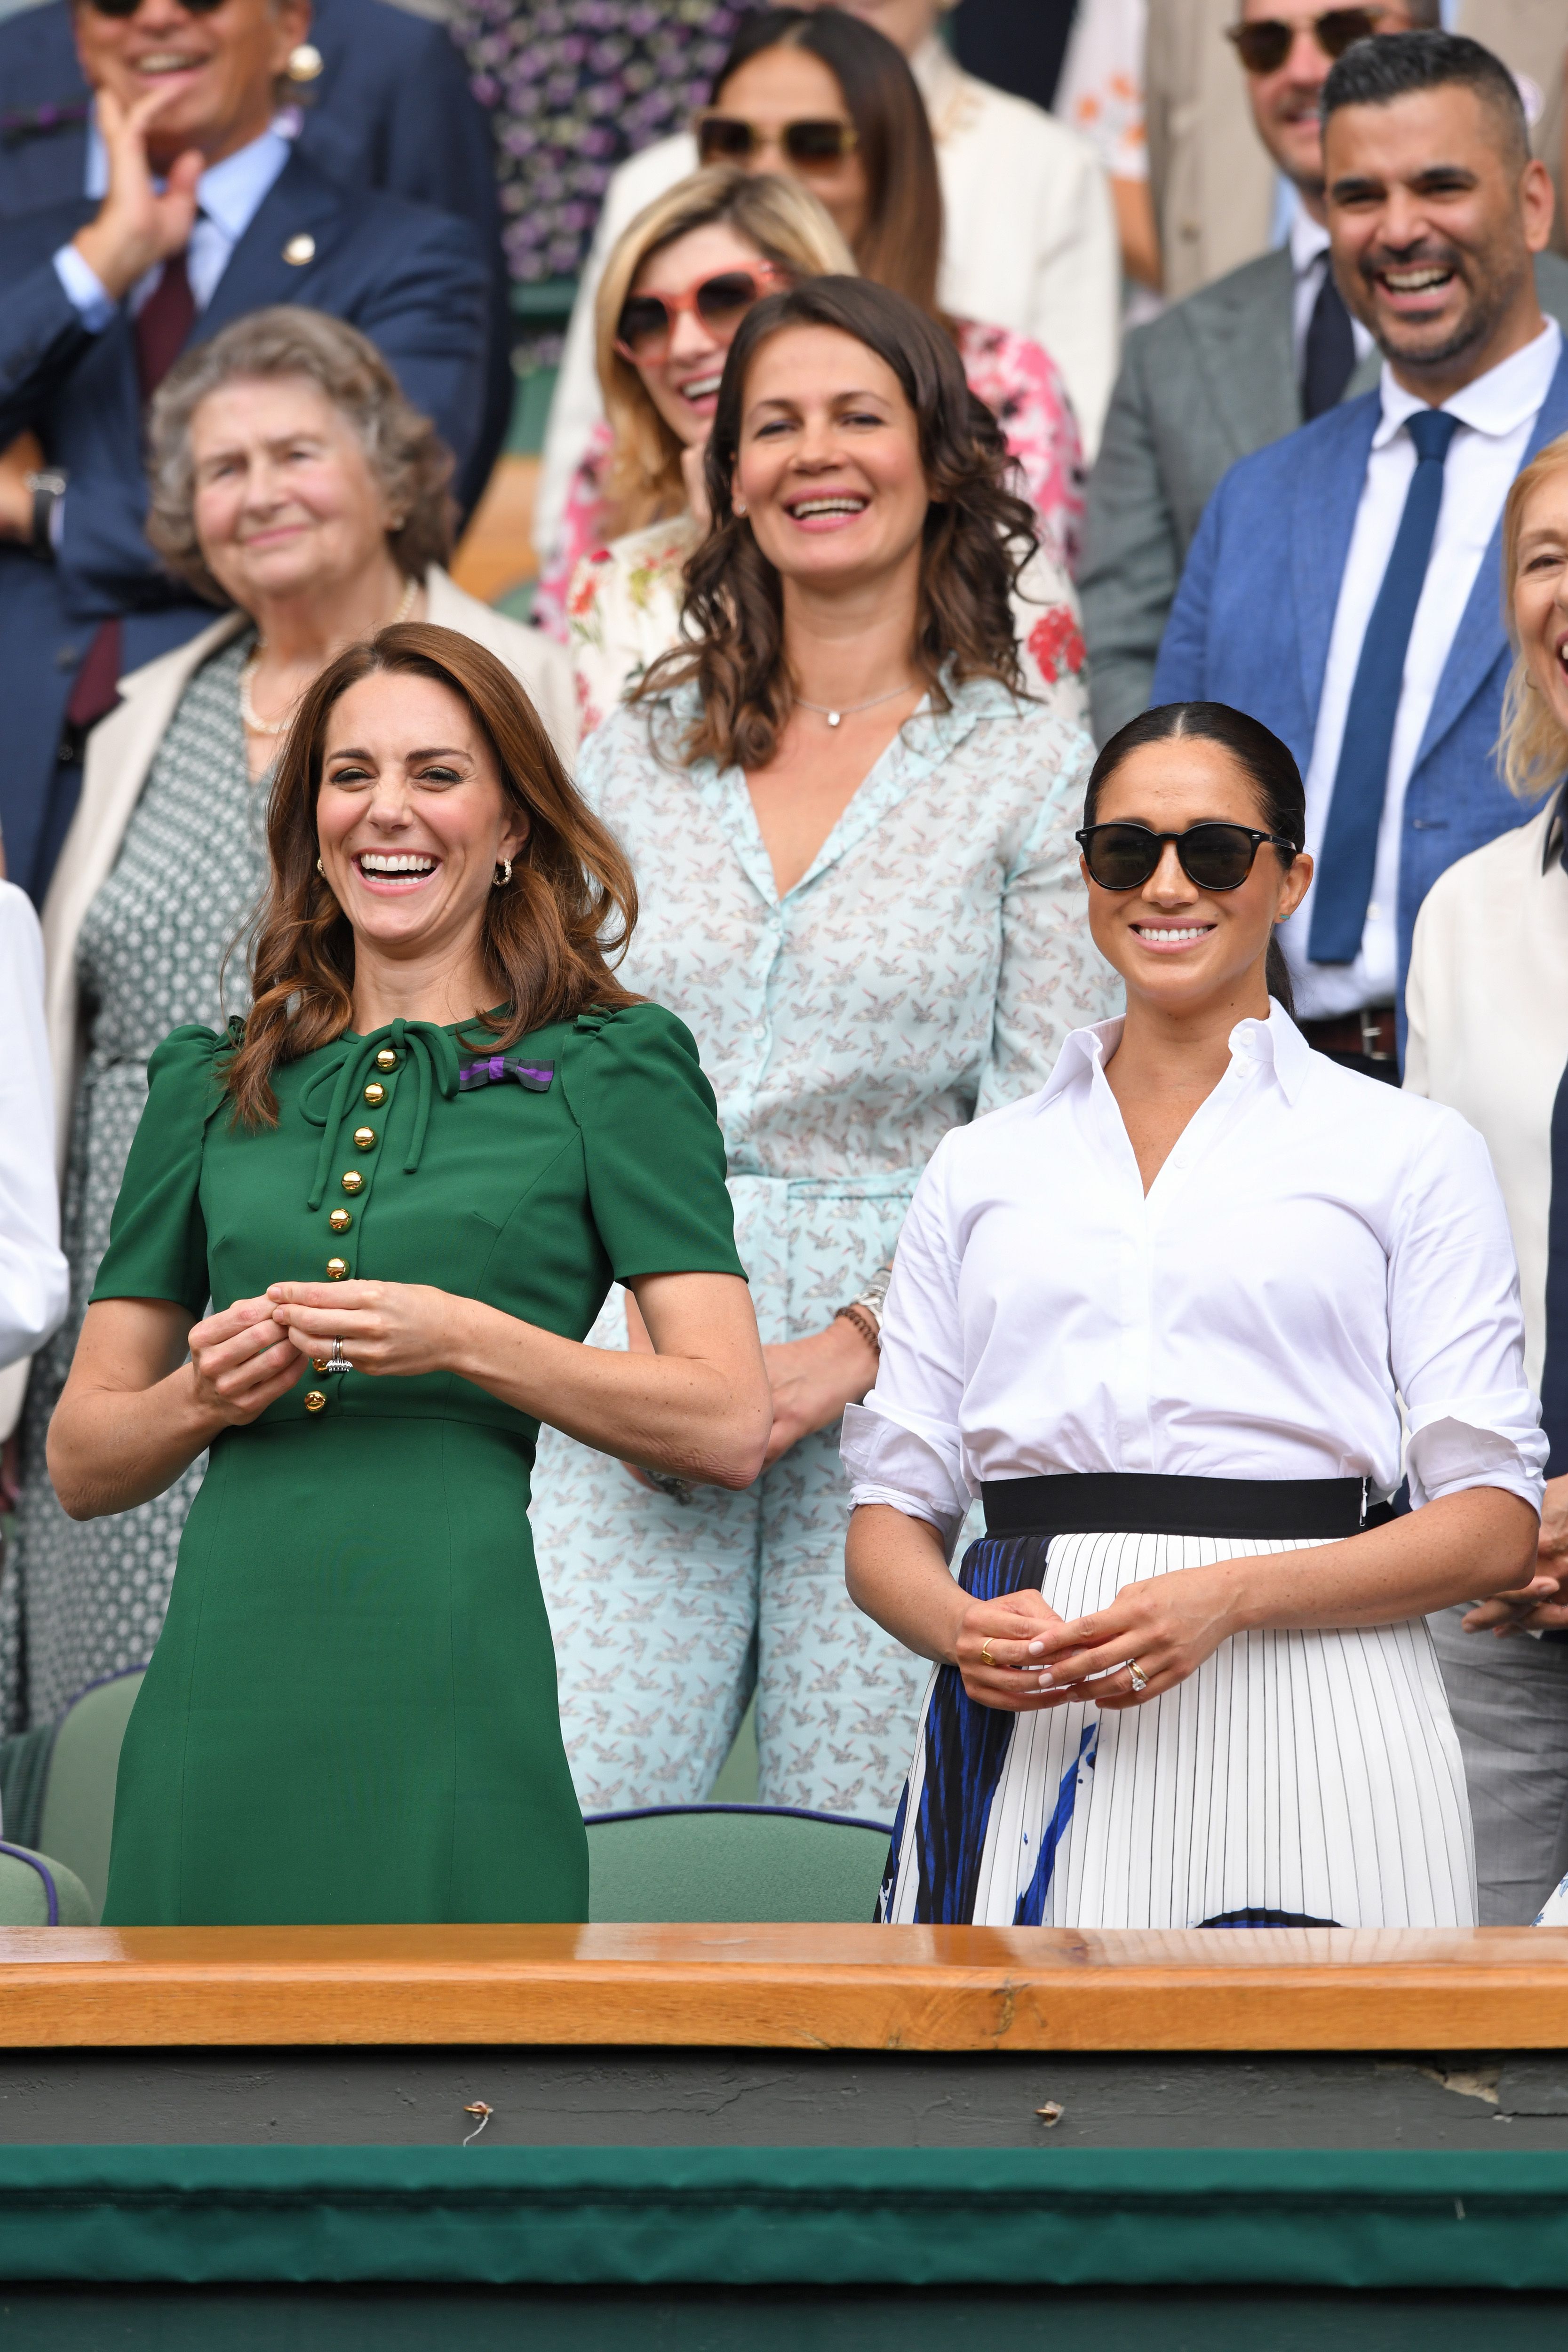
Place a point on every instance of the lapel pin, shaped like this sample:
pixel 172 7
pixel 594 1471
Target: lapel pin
pixel 305 62
pixel 300 250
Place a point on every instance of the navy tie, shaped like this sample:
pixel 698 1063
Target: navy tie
pixel 1348 859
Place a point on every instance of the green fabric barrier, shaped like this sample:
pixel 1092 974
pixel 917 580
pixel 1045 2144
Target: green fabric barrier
pixel 798 2216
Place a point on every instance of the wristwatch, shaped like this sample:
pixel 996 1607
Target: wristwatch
pixel 47 488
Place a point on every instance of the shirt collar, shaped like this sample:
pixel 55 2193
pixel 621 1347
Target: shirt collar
pixel 1277 1042
pixel 230 193
pixel 1498 403
pixel 938 73
pixel 1308 240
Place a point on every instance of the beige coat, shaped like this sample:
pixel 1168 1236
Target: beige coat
pixel 122 750
pixel 1213 178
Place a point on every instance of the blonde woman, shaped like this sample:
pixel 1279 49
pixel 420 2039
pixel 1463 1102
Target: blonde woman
pixel 677 287
pixel 1487 1004
pixel 293 483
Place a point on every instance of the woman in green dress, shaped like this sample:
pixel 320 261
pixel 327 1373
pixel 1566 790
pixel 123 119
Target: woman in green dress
pixel 357 1247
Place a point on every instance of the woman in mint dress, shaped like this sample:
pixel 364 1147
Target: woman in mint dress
pixel 380 1219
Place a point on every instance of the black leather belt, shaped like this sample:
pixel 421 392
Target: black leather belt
pixel 1127 1503
pixel 1371 1032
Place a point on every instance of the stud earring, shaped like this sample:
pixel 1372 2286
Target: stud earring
pixel 502 874
pixel 738 505
pixel 320 868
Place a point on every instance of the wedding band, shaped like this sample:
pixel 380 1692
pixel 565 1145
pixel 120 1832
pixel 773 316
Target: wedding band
pixel 337 1361
pixel 985 1649
pixel 1140 1679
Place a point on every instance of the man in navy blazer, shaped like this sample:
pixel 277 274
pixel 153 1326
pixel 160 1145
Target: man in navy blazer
pixel 208 206
pixel 1343 586
pixel 376 98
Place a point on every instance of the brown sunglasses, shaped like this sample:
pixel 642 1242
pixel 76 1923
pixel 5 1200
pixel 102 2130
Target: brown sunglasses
pixel 809 146
pixel 1264 46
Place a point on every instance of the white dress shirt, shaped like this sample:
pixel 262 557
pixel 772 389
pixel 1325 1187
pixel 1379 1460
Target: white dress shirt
pixel 1496 414
pixel 1030 242
pixel 1309 246
pixel 34 1279
pixel 1317 1247
pixel 230 195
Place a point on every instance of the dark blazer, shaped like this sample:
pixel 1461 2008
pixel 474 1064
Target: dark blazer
pixel 1253 616
pixel 412 280
pixel 1205 383
pixel 390 109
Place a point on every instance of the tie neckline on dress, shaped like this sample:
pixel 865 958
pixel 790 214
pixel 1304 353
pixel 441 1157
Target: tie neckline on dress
pixel 433 1053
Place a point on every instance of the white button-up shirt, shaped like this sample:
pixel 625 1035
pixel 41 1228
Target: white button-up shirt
pixel 35 1281
pixel 1496 414
pixel 1317 1248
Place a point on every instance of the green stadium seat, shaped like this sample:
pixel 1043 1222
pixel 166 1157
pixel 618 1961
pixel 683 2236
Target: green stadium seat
pixel 37 1892
pixel 78 1812
pixel 733 1863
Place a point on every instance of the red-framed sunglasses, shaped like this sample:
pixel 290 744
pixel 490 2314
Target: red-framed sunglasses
pixel 648 320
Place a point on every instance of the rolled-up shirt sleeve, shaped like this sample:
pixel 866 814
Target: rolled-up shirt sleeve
pixel 34 1278
pixel 1457 1330
pixel 903 1445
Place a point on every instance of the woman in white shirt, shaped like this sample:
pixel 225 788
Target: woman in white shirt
pixel 1162 1316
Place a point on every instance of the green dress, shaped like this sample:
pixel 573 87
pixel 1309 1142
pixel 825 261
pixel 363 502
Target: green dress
pixel 350 1714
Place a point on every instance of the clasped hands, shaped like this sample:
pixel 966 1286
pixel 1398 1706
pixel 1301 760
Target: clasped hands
pixel 1019 1655
pixel 246 1358
pixel 1540 1606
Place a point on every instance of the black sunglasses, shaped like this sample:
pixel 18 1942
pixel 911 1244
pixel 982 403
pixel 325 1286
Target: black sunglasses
pixel 1213 855
pixel 129 7
pixel 725 139
pixel 1264 46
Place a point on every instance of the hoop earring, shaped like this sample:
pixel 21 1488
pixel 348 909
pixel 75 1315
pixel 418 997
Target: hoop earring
pixel 502 874
pixel 320 869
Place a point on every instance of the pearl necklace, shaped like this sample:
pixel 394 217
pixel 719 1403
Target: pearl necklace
pixel 256 726
pixel 836 718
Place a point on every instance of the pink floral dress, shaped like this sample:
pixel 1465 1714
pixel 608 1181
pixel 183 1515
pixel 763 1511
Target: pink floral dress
pixel 1020 384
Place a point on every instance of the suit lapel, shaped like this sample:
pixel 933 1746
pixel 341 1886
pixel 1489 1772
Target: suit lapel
pixel 1481 637
pixel 1327 492
pixel 300 202
pixel 1244 351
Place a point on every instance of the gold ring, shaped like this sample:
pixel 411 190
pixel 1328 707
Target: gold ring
pixel 1140 1679
pixel 985 1649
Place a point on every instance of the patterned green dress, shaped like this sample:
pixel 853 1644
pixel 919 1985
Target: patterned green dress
pixel 82 1602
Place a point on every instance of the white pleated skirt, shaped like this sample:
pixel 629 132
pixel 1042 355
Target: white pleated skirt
pixel 1294 1776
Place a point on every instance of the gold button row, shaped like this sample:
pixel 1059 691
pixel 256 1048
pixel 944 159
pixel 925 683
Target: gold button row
pixel 314 1400
pixel 376 1093
pixel 365 1138
pixel 341 1219
pixel 386 1059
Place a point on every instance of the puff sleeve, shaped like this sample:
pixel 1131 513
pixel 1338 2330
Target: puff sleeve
pixel 652 1145
pixel 158 1236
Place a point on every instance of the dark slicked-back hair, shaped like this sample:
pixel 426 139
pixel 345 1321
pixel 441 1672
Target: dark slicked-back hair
pixel 1397 65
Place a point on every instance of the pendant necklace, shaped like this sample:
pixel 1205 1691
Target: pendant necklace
pixel 280 726
pixel 836 718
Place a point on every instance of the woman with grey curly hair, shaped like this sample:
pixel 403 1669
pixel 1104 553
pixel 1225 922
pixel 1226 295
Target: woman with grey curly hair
pixel 293 483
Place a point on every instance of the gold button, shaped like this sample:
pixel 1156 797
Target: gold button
pixel 386 1059
pixel 341 1219
pixel 352 1181
pixel 336 1268
pixel 320 1363
pixel 365 1138
pixel 314 1400
pixel 300 250
pixel 376 1093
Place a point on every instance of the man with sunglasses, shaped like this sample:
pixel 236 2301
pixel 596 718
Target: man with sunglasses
pixel 376 97
pixel 204 212
pixel 1343 585
pixel 1209 93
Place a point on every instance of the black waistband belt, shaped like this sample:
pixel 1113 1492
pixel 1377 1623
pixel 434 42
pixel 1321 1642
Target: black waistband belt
pixel 1124 1503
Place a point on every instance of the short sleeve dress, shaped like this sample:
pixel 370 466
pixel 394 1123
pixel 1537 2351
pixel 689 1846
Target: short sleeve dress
pixel 350 1714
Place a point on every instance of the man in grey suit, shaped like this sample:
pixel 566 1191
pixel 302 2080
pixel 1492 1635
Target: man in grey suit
pixel 1232 367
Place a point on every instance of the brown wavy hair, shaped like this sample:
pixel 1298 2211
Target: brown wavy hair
pixel 899 240
pixel 979 535
pixel 545 936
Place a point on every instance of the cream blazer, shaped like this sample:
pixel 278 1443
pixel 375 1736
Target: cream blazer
pixel 121 752
pixel 1213 178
